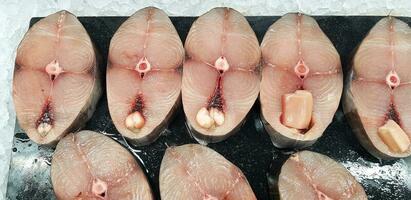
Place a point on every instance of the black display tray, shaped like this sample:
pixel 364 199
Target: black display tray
pixel 250 149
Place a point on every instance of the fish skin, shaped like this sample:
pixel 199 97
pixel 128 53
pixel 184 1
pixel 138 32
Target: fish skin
pixel 324 79
pixel 160 88
pixel 85 156
pixel 220 31
pixel 366 111
pixel 186 173
pixel 36 50
pixel 306 170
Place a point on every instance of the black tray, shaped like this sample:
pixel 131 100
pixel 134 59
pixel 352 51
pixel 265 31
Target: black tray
pixel 250 149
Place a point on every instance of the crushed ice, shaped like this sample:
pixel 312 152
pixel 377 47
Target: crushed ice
pixel 388 178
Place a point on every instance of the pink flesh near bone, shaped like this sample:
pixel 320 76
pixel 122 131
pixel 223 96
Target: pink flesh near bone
pixel 310 175
pixel 89 165
pixel 379 85
pixel 298 55
pixel 196 172
pixel 220 33
pixel 56 64
pixel 147 43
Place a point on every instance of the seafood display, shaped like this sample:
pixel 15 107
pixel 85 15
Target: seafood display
pixel 139 143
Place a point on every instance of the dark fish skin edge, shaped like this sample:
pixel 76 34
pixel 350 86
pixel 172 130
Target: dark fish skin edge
pixel 281 141
pixel 273 175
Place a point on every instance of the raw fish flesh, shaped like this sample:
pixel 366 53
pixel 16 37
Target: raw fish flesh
pixel 220 75
pixel 89 165
pixel 377 100
pixel 56 82
pixel 310 175
pixel 144 75
pixel 196 172
pixel 302 81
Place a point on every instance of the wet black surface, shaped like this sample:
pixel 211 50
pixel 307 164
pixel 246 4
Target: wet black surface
pixel 250 149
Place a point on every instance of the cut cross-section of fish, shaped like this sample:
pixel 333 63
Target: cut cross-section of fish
pixel 143 75
pixel 220 75
pixel 377 99
pixel 301 82
pixel 196 172
pixel 310 175
pixel 56 82
pixel 89 165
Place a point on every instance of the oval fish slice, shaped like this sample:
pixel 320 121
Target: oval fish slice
pixel 56 83
pixel 196 172
pixel 299 62
pixel 220 75
pixel 377 91
pixel 89 165
pixel 310 175
pixel 143 75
